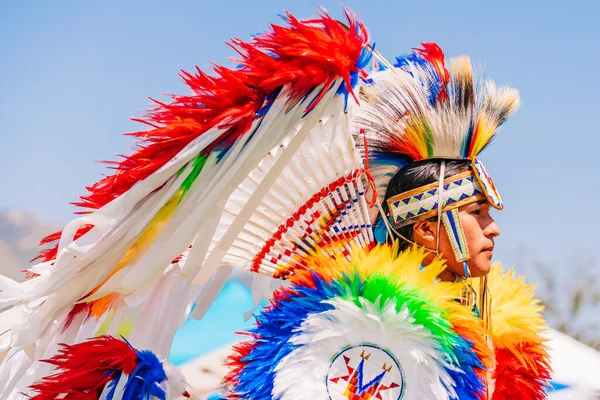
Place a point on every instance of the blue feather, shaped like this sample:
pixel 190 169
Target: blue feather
pixel 468 385
pixel 467 139
pixel 388 159
pixel 363 60
pixel 144 381
pixel 433 81
pixel 112 386
pixel 380 231
pixel 275 327
pixel 406 60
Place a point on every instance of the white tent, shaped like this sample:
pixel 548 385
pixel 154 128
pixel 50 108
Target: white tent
pixel 576 368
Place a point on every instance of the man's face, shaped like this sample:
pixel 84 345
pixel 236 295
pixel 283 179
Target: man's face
pixel 480 230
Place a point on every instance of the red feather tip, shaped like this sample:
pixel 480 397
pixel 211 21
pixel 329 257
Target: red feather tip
pixel 85 368
pixel 302 55
pixel 521 378
pixel 51 253
pixel 236 362
pixel 435 56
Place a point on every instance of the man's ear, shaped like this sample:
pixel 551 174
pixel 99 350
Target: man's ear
pixel 423 233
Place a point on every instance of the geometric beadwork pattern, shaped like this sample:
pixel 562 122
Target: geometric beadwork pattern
pixel 456 234
pixel 364 372
pixel 486 182
pixel 421 203
pixel 335 217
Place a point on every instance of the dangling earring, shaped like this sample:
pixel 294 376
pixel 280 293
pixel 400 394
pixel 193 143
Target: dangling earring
pixel 485 303
pixel 466 294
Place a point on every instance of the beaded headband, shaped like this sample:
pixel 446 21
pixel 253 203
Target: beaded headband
pixel 458 190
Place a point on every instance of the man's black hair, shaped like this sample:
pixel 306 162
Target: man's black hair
pixel 419 174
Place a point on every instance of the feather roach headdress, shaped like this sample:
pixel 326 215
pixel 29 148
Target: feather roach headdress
pixel 418 109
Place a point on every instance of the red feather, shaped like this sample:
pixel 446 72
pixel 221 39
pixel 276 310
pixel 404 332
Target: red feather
pixel 76 310
pixel 85 368
pixel 524 377
pixel 435 56
pixel 236 362
pixel 303 54
pixel 50 254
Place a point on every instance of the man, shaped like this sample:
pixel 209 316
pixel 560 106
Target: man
pixel 258 169
pixel 420 129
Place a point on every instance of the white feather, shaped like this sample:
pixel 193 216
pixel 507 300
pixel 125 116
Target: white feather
pixel 302 373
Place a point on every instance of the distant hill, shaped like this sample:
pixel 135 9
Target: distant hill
pixel 20 234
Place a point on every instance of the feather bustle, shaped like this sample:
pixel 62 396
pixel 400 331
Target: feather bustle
pixel 304 54
pixel 378 281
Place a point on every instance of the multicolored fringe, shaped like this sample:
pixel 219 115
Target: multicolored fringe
pixel 176 197
pixel 378 303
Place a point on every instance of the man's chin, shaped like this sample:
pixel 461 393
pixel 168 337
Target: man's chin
pixel 481 268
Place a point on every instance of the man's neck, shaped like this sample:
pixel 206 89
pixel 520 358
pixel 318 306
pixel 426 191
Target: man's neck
pixel 446 275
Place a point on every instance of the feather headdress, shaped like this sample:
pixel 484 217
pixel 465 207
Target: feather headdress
pixel 257 169
pixel 419 110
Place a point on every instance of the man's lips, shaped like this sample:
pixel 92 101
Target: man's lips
pixel 490 249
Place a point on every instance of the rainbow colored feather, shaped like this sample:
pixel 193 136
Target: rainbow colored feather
pixel 377 298
pixel 380 300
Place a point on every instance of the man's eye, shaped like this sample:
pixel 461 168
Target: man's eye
pixel 476 212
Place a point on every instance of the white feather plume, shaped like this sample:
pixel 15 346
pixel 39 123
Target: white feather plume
pixel 301 374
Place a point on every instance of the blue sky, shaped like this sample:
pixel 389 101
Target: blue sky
pixel 73 72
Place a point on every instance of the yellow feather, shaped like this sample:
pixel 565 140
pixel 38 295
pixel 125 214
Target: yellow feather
pixel 483 134
pixel 415 135
pixel 515 314
pixel 403 267
pixel 150 233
